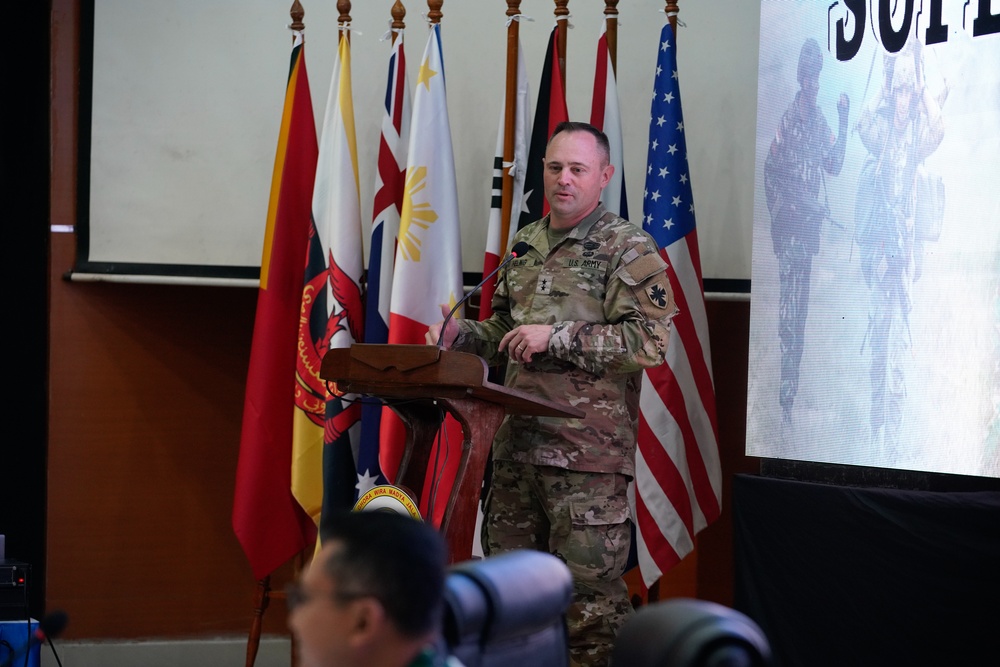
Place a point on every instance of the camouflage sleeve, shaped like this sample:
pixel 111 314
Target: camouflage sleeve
pixel 483 338
pixel 772 188
pixel 638 307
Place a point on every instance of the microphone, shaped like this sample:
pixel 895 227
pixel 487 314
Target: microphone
pixel 517 251
pixel 50 626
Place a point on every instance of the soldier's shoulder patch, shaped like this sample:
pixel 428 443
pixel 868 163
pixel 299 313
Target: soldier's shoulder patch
pixel 659 295
pixel 642 268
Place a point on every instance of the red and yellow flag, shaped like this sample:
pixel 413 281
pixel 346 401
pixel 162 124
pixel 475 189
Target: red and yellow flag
pixel 269 523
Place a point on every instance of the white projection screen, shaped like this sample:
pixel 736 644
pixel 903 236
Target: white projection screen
pixel 181 104
pixel 875 310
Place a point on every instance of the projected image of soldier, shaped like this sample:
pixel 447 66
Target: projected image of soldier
pixel 898 209
pixel 803 149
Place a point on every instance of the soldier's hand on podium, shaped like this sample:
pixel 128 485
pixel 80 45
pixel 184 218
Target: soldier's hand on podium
pixel 434 332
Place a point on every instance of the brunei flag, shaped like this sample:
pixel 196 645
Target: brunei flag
pixel 269 523
pixel 327 426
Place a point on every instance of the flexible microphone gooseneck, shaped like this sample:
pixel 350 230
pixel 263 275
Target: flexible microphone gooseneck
pixel 517 251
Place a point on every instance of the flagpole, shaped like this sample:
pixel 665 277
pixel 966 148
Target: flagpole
pixel 611 12
pixel 509 121
pixel 297 13
pixel 344 7
pixel 671 11
pixel 398 12
pixel 434 13
pixel 264 592
pixel 562 14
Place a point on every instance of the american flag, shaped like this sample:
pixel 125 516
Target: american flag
pixel 678 477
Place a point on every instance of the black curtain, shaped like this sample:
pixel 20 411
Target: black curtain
pixel 24 184
pixel 838 575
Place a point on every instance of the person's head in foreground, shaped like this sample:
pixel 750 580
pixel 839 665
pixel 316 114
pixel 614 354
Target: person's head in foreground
pixel 372 595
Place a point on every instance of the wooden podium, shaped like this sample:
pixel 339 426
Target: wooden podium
pixel 417 382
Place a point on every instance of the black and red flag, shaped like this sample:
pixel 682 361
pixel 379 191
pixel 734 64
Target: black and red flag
pixel 551 111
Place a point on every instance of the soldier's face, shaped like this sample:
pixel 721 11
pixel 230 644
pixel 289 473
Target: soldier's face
pixel 575 174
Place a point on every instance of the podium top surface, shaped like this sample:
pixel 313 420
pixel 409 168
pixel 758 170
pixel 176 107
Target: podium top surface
pixel 429 372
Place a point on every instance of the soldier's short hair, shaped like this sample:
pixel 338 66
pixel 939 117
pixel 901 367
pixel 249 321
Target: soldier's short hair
pixel 396 559
pixel 578 126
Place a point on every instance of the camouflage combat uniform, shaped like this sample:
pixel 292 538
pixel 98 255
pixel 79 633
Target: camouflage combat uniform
pixel 803 148
pixel 559 485
pixel 886 209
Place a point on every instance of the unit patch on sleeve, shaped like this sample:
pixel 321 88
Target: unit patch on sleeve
pixel 658 295
pixel 645 274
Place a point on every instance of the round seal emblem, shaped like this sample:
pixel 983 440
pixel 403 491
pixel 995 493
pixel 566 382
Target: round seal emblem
pixel 388 498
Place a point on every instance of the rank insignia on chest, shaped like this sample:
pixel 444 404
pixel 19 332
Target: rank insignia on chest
pixel 544 284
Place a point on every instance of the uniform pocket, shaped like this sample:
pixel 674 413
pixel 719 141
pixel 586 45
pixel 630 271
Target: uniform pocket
pixel 601 535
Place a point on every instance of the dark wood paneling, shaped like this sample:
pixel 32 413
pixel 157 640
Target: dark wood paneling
pixel 147 397
pixel 729 331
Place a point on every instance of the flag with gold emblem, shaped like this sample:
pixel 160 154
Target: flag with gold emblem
pixel 428 266
pixel 331 314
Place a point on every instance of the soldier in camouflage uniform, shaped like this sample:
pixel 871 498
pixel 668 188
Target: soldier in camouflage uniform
pixel 900 129
pixel 577 318
pixel 803 148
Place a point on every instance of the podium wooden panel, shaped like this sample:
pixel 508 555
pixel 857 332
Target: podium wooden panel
pixel 416 382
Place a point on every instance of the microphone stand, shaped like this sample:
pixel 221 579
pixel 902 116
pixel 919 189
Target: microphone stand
pixel 518 250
